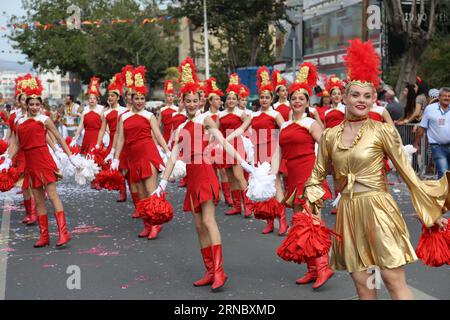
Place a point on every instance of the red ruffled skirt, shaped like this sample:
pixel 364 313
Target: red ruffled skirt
pixel 201 185
pixel 142 155
pixel 40 168
pixel 89 141
pixel 299 170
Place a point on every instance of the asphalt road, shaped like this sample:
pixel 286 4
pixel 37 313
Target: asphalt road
pixel 113 263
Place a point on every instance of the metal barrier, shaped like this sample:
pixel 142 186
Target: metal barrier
pixel 422 160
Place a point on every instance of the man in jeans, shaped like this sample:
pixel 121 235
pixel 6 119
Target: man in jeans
pixel 436 122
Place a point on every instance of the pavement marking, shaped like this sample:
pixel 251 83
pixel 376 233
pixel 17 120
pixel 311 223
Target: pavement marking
pixel 4 235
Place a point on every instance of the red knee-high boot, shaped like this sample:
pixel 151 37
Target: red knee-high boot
pixel 269 227
pixel 135 197
pixel 208 261
pixel 311 274
pixel 64 236
pixel 155 231
pixel 33 213
pixel 283 223
pixel 147 229
pixel 324 272
pixel 236 195
pixel 247 205
pixel 226 193
pixel 123 193
pixel 44 238
pixel 219 275
pixel 27 204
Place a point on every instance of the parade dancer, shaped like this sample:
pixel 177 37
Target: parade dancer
pixel 165 115
pixel 296 144
pixel 264 124
pixel 40 168
pixel 279 85
pixel 324 104
pixel 135 130
pixel 91 120
pixel 213 102
pixel 369 221
pixel 229 120
pixel 202 183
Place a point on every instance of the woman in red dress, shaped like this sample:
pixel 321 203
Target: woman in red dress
pixel 296 144
pixel 282 105
pixel 324 104
pixel 229 120
pixel 135 135
pixel 40 168
pixel 202 183
pixel 165 115
pixel 19 160
pixel 91 120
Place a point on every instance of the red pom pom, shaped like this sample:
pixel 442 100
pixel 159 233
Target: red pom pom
pixel 3 146
pixel 434 246
pixel 109 179
pixel 305 239
pixel 8 178
pixel 75 149
pixel 156 209
pixel 99 156
pixel 267 210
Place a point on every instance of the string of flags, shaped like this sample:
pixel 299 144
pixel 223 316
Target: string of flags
pixel 97 23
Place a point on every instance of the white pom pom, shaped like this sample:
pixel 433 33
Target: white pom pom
pixel 249 150
pixel 179 170
pixel 409 150
pixel 261 185
pixel 86 171
pixel 336 201
pixel 65 166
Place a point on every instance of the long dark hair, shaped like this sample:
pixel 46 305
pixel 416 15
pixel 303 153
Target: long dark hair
pixel 410 101
pixel 308 113
pixel 321 100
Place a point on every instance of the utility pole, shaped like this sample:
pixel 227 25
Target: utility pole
pixel 293 50
pixel 205 17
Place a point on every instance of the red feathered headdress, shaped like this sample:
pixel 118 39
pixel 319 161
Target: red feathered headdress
pixel 277 80
pixel 18 89
pixel 305 80
pixel 263 80
pixel 116 84
pixel 362 63
pixel 202 86
pixel 244 91
pixel 212 89
pixel 94 86
pixel 139 82
pixel 234 84
pixel 168 87
pixel 32 87
pixel 127 77
pixel 188 77
pixel 332 83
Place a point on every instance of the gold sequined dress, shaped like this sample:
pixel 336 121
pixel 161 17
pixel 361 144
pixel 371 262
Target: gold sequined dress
pixel 371 225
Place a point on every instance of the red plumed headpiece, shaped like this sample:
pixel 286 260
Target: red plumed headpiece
pixel 263 80
pixel 278 80
pixel 212 89
pixel 234 84
pixel 334 82
pixel 139 82
pixel 94 86
pixel 244 91
pixel 32 86
pixel 362 63
pixel 168 87
pixel 188 77
pixel 127 77
pixel 202 86
pixel 305 80
pixel 18 85
pixel 116 84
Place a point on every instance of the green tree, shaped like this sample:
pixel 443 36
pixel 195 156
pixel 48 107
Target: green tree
pixel 98 49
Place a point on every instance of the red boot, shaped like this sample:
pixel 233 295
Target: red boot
pixel 122 193
pixel 208 278
pixel 147 229
pixel 247 205
pixel 324 272
pixel 311 274
pixel 27 204
pixel 155 231
pixel 219 275
pixel 33 213
pixel 283 223
pixel 269 227
pixel 44 239
pixel 64 236
pixel 236 195
pixel 135 197
pixel 226 193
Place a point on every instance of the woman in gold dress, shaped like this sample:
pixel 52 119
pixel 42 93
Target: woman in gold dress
pixel 374 234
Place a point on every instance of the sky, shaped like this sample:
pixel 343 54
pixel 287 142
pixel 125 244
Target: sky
pixel 8 8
